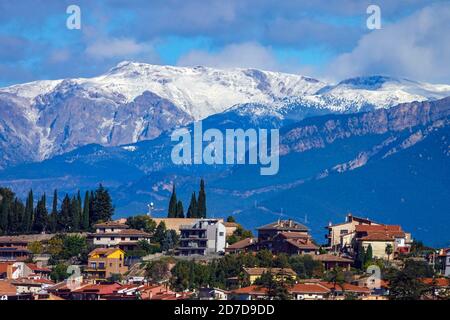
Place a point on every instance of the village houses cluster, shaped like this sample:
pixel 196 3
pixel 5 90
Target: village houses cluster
pixel 26 276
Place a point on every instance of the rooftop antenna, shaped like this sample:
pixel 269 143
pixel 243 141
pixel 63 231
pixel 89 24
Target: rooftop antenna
pixel 150 209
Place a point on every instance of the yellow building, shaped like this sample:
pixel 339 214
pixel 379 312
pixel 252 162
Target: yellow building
pixel 254 274
pixel 104 262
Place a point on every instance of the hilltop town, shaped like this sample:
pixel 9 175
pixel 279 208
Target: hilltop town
pixel 93 257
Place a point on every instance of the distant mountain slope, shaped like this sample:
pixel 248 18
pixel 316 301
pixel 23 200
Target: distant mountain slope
pixel 135 102
pixel 391 164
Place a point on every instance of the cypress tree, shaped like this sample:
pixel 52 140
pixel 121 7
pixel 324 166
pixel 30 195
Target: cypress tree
pixel 202 200
pixel 65 221
pixel 41 216
pixel 4 212
pixel 80 209
pixel 172 212
pixel 193 208
pixel 53 220
pixel 29 208
pixel 180 210
pixel 360 256
pixel 102 205
pixel 86 211
pixel 92 214
pixel 74 213
pixel 369 254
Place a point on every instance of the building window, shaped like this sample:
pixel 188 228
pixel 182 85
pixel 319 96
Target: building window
pixel 133 238
pixel 93 265
pixel 112 238
pixel 101 265
pixel 110 264
pixel 123 238
pixel 221 234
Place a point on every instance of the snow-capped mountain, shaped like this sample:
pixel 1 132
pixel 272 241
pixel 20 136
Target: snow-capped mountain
pixel 135 101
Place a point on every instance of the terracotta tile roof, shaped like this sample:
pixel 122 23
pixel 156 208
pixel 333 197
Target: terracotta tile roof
pixel 346 286
pixel 286 225
pixel 377 236
pixel 100 289
pixel 32 282
pixel 439 282
pixel 378 228
pixel 242 244
pixel 105 251
pixel 251 290
pixel 301 244
pixel 275 271
pixel 35 268
pixel 308 288
pixel 6 288
pixel 293 235
pixel 331 258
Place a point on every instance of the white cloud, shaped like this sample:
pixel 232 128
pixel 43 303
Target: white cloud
pixel 119 48
pixel 416 47
pixel 244 55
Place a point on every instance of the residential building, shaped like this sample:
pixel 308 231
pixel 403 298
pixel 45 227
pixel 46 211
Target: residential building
pixel 212 294
pixel 206 236
pixel 254 274
pixel 244 245
pixel 13 249
pixel 269 231
pixel 341 235
pixel 105 262
pixel 112 234
pixel 331 261
pixel 31 285
pixel 252 292
pixel 309 291
pixel 290 242
pixel 447 264
pixel 338 291
pixel 96 291
pixel 381 236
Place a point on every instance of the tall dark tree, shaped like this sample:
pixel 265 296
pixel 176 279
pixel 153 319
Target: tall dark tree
pixel 86 212
pixel 65 218
pixel 180 210
pixel 4 212
pixel 80 209
pixel 16 217
pixel 360 256
pixel 92 215
pixel 202 200
pixel 53 219
pixel 74 214
pixel 41 216
pixel 29 212
pixel 103 209
pixel 193 207
pixel 172 212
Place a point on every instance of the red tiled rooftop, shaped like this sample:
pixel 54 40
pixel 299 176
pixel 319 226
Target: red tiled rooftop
pixel 308 288
pixel 346 286
pixel 439 282
pixel 252 290
pixel 241 244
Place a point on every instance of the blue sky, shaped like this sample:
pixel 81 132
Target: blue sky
pixel 322 38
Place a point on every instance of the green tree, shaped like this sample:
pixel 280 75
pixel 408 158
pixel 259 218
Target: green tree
pixel 231 219
pixel 29 210
pixel 265 258
pixel 53 219
pixel 369 254
pixel 159 233
pixel 86 217
pixel 180 210
pixel 170 240
pixel 193 207
pixel 36 247
pixel 360 256
pixel 405 286
pixel 65 218
pixel 141 222
pixel 4 213
pixel 41 216
pixel 59 272
pixel 103 209
pixel 172 211
pixel 389 250
pixel 202 200
pixel 157 271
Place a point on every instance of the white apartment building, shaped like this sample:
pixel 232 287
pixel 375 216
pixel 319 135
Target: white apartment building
pixel 205 236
